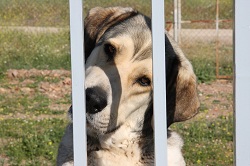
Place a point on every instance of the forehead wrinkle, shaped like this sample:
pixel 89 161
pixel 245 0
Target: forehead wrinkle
pixel 138 39
pixel 143 54
pixel 141 36
pixel 112 34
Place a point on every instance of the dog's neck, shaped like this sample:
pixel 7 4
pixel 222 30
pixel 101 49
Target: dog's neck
pixel 129 136
pixel 123 136
pixel 123 145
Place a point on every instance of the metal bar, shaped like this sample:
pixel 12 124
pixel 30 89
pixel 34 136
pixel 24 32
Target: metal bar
pixel 78 75
pixel 159 82
pixel 224 77
pixel 217 39
pixel 175 21
pixel 217 59
pixel 242 82
pixel 203 21
pixel 179 21
pixel 217 16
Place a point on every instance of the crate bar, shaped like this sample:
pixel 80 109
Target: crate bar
pixel 159 80
pixel 242 82
pixel 78 76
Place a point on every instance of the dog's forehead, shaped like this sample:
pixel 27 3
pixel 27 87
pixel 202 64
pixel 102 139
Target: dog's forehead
pixel 134 25
pixel 138 31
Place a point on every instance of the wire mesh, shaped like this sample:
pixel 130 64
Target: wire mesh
pixel 207 25
pixel 35 79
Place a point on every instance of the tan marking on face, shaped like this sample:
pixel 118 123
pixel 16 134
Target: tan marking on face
pixel 131 70
pixel 119 77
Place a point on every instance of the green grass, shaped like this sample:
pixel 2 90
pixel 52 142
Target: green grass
pixel 27 105
pixel 225 60
pixel 208 8
pixel 30 142
pixel 56 12
pixel 27 96
pixel 21 50
pixel 51 50
pixel 203 59
pixel 52 13
pixel 35 142
pixel 34 12
pixel 207 142
pixel 27 135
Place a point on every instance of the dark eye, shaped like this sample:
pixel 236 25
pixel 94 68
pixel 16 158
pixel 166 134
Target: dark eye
pixel 110 51
pixel 144 81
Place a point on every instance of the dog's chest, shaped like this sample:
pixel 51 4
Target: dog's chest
pixel 122 153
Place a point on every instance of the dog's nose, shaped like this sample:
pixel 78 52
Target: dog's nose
pixel 96 100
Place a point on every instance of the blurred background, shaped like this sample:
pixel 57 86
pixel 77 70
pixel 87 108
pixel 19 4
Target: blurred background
pixel 35 83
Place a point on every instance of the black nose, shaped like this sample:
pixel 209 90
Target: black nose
pixel 96 100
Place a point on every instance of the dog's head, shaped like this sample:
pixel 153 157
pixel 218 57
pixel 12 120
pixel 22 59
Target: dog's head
pixel 118 51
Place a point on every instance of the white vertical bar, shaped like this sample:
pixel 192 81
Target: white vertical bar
pixel 159 80
pixel 175 20
pixel 78 75
pixel 217 18
pixel 179 21
pixel 242 82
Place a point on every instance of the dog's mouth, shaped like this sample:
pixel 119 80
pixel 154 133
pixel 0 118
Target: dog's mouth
pixel 99 124
pixel 97 115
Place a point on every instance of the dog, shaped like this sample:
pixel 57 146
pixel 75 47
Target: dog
pixel 119 91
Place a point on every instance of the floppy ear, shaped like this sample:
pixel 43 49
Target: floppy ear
pixel 99 20
pixel 182 97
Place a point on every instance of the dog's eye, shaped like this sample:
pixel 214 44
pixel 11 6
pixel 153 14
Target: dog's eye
pixel 144 81
pixel 110 51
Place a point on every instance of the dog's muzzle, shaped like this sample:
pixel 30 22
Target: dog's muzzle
pixel 96 100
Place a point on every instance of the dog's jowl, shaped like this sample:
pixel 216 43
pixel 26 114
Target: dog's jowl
pixel 119 100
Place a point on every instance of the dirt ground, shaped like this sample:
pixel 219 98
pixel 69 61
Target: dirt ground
pixel 216 97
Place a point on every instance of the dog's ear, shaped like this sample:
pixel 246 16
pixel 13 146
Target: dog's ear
pixel 98 20
pixel 182 97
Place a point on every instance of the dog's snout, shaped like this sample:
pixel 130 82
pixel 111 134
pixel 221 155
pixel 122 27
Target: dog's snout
pixel 96 100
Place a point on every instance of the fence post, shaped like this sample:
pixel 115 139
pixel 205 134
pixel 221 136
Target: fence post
pixel 179 21
pixel 176 20
pixel 217 39
pixel 242 83
pixel 78 90
pixel 159 82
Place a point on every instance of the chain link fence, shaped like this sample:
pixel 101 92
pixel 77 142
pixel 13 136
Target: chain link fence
pixel 204 29
pixel 35 84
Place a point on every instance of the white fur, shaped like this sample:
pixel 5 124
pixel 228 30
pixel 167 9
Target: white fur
pixel 122 148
